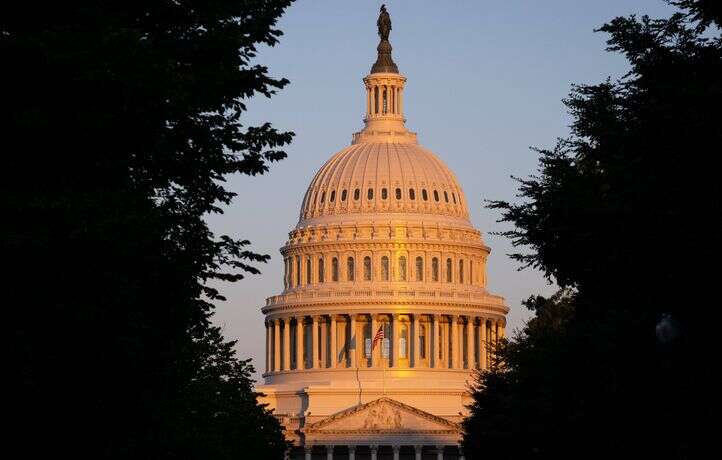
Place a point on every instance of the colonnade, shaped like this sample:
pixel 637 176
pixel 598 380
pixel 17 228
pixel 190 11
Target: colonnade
pixel 384 99
pixel 402 266
pixel 436 341
pixel 373 451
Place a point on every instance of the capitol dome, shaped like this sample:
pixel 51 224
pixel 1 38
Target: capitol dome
pixel 385 312
pixel 387 179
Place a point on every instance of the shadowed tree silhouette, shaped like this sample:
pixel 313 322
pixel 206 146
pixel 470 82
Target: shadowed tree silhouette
pixel 621 216
pixel 121 121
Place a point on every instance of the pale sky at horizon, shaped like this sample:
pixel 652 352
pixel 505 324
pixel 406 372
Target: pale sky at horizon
pixel 486 81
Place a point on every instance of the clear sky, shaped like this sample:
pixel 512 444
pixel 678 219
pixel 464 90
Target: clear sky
pixel 485 82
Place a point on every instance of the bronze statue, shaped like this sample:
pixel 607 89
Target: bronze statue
pixel 384 62
pixel 384 23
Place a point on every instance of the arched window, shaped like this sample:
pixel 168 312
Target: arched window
pixel 356 194
pixel 333 196
pixel 315 196
pixel 435 269
pixel 323 196
pixel 308 271
pixel 424 195
pixel 461 271
pixel 350 269
pixel 446 196
pixel 436 195
pixel 412 194
pixel 386 100
pixel 298 271
pixel 398 193
pixel 334 269
pixel 367 268
pixel 471 272
pixel 384 268
pixel 321 273
pixel 422 341
pixel 370 194
pixel 453 195
pixel 402 268
pixel 343 195
pixel 384 194
pixel 419 269
pixel 449 274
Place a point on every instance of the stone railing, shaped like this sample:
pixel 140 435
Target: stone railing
pixel 382 294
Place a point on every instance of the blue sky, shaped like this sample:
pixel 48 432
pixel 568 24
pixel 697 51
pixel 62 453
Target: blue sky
pixel 485 83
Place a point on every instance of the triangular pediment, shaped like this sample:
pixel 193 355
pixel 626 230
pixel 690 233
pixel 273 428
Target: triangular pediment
pixel 382 415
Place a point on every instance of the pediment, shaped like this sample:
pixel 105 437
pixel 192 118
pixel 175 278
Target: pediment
pixel 383 415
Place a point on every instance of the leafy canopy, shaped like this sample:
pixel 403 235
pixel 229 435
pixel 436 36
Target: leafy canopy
pixel 122 121
pixel 622 216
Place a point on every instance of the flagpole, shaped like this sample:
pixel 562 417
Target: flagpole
pixel 383 373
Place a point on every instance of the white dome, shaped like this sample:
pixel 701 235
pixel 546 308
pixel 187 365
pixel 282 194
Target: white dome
pixel 383 178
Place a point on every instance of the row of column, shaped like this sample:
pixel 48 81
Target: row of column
pixel 414 267
pixel 414 340
pixel 418 451
pixel 384 99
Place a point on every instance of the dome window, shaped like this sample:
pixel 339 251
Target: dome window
pixel 412 194
pixel 449 274
pixel 308 271
pixel 334 269
pixel 323 197
pixel 453 195
pixel 398 193
pixel 419 269
pixel 370 194
pixel 435 269
pixel 461 271
pixel 384 194
pixel 446 196
pixel 384 268
pixel 424 195
pixel 343 195
pixel 320 270
pixel 332 198
pixel 356 194
pixel 367 268
pixel 436 195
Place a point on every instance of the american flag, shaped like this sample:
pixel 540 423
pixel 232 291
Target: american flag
pixel 378 337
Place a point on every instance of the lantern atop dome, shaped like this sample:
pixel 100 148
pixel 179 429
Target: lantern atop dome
pixel 384 119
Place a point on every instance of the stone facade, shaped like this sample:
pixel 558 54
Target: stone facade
pixel 383 247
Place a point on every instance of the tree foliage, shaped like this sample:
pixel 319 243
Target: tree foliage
pixel 121 121
pixel 621 216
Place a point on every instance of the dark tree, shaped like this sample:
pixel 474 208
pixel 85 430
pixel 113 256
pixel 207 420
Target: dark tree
pixel 622 216
pixel 120 122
